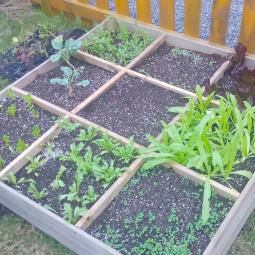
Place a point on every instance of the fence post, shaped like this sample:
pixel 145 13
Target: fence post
pixel 144 10
pixel 167 14
pixel 122 7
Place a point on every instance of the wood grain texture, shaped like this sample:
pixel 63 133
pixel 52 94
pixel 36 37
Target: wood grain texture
pixel 219 26
pixel 167 14
pixel 70 236
pixel 143 9
pixel 192 13
pixel 122 7
pixel 247 34
pixel 102 4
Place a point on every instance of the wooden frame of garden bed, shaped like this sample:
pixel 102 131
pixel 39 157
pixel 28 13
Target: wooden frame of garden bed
pixel 72 236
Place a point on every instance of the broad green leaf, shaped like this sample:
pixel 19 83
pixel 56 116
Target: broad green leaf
pixel 66 70
pixel 177 109
pixel 55 58
pixel 83 83
pixel 57 43
pixel 57 81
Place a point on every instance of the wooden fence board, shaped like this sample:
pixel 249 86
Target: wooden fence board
pixel 144 10
pixel 247 34
pixel 219 26
pixel 167 14
pixel 192 13
pixel 102 4
pixel 122 7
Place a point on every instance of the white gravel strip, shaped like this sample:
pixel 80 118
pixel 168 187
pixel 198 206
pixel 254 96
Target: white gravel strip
pixel 234 18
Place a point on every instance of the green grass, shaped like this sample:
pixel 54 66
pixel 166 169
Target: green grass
pixel 19 238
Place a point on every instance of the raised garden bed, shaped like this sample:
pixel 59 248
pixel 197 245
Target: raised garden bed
pixel 166 208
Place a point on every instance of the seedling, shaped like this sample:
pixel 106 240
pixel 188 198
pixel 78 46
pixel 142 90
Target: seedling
pixel 12 179
pixel 106 143
pixel 126 152
pixel 107 173
pixel 28 100
pixel 91 197
pixel 10 94
pixel 2 163
pixel 7 143
pixel 21 146
pixel 73 215
pixel 35 192
pixel 36 131
pixel 58 183
pixel 11 110
pixel 35 164
pixel 67 125
pixel 87 135
pixel 70 73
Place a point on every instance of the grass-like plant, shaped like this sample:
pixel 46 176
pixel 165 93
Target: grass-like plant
pixel 35 192
pixel 64 52
pixel 211 140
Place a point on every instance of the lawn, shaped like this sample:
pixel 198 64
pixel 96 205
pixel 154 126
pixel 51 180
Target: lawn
pixel 17 236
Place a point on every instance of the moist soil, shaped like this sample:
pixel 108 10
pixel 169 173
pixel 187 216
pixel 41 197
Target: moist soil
pixel 159 213
pixel 181 67
pixel 20 126
pixel 58 94
pixel 29 54
pixel 133 107
pixel 46 174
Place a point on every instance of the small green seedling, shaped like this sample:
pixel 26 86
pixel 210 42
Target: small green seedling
pixel 11 110
pixel 10 94
pixel 58 183
pixel 106 143
pixel 90 198
pixel 36 131
pixel 73 215
pixel 7 142
pixel 21 146
pixel 67 125
pixel 35 192
pixel 2 163
pixel 12 179
pixel 28 101
pixel 35 163
pixel 87 135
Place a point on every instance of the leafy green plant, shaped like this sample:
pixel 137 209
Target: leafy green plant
pixel 67 125
pixel 64 52
pixel 35 192
pixel 36 131
pixel 28 101
pixel 21 145
pixel 126 152
pixel 106 172
pixel 11 110
pixel 87 135
pixel 106 143
pixel 35 164
pixel 90 197
pixel 58 183
pixel 211 140
pixel 10 94
pixel 119 45
pixel 7 142
pixel 71 214
pixel 2 163
pixel 12 179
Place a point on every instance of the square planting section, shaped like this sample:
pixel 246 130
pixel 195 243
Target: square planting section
pixel 133 107
pixel 21 123
pixel 181 67
pixel 72 171
pixel 159 212
pixel 58 94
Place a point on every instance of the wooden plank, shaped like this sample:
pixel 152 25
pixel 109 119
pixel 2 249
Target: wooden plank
pixel 31 151
pixel 192 13
pixel 219 26
pixel 110 66
pixel 148 51
pixel 54 109
pixel 87 123
pixel 167 14
pixel 46 6
pixel 102 4
pixel 108 196
pixel 143 9
pixel 247 33
pixel 70 236
pixel 233 223
pixel 99 92
pixel 122 7
pixel 201 179
pixel 220 72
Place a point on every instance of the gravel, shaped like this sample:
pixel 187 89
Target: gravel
pixel 234 18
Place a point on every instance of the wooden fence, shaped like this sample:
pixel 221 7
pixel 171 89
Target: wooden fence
pixel 192 15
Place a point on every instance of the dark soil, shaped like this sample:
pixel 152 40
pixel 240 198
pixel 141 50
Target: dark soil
pixel 29 54
pixel 48 171
pixel 20 126
pixel 159 214
pixel 181 67
pixel 58 94
pixel 133 108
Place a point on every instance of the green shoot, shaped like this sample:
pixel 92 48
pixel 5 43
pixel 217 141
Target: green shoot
pixel 35 164
pixel 35 192
pixel 11 110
